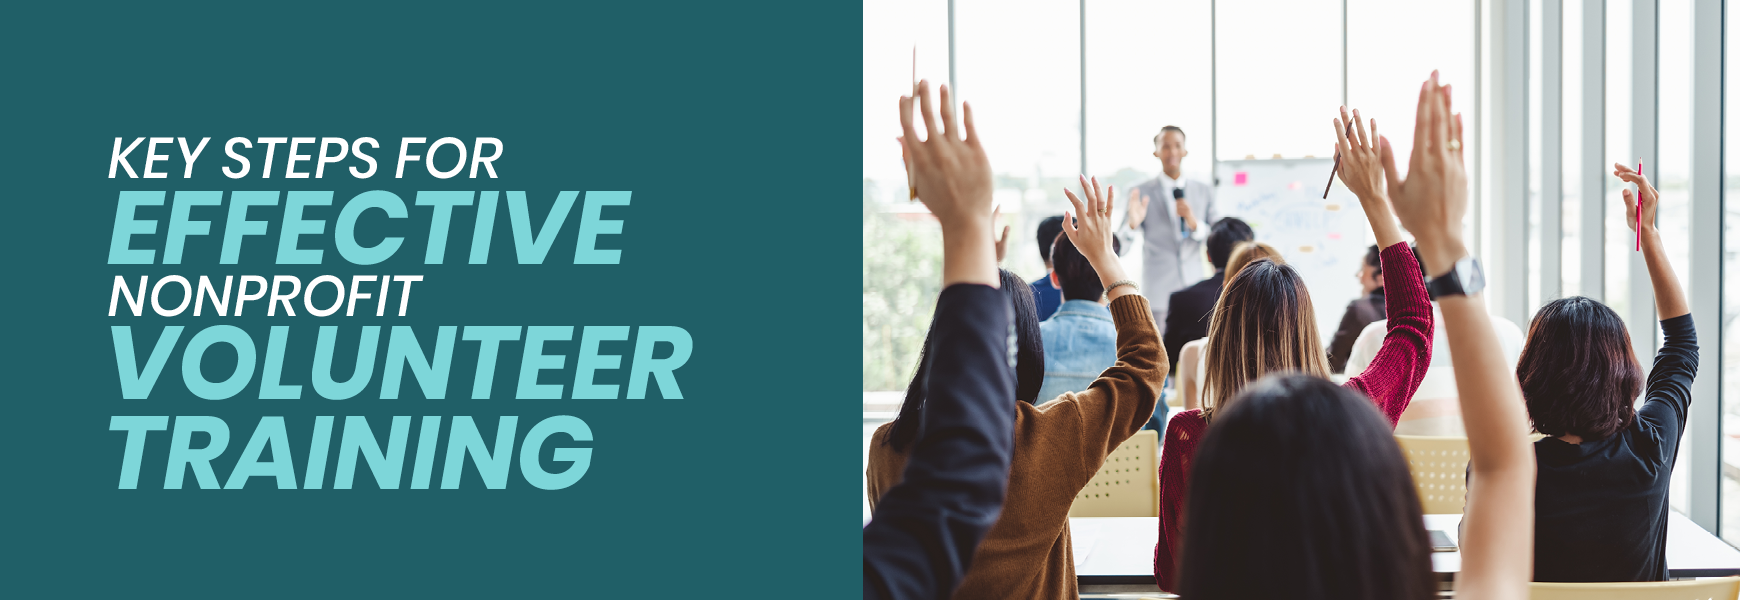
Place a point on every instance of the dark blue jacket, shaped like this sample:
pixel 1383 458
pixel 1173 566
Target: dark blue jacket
pixel 922 537
pixel 1046 297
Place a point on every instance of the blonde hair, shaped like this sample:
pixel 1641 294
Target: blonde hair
pixel 1262 324
pixel 1247 252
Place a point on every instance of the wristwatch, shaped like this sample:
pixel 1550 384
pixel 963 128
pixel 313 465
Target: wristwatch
pixel 1464 279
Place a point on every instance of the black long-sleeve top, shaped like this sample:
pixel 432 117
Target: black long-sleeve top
pixel 1601 507
pixel 923 534
pixel 1187 315
pixel 1360 312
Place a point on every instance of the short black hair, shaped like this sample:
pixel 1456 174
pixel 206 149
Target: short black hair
pixel 1172 128
pixel 1075 276
pixel 1304 477
pixel 1577 371
pixel 1223 236
pixel 1374 259
pixel 1049 229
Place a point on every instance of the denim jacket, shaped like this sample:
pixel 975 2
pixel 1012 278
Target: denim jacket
pixel 1080 342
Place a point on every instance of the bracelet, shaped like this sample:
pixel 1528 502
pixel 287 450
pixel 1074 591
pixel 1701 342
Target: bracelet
pixel 1123 282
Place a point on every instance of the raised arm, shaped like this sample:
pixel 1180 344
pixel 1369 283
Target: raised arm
pixel 1362 171
pixel 1498 523
pixel 1395 373
pixel 924 532
pixel 1670 299
pixel 1122 399
pixel 1668 395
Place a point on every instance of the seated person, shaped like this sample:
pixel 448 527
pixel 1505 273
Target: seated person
pixel 1080 340
pixel 1046 295
pixel 1604 470
pixel 1188 309
pixel 1189 373
pixel 1299 489
pixel 925 532
pixel 1264 323
pixel 1362 311
pixel 1058 447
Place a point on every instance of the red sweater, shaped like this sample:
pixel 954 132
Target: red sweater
pixel 1390 381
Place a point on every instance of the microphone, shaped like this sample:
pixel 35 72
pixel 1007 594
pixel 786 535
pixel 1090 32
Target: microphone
pixel 1183 227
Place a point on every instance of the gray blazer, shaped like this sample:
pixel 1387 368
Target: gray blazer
pixel 1171 259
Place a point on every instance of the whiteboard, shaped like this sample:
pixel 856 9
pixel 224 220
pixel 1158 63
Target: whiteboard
pixel 1324 239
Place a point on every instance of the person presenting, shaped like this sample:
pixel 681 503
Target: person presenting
pixel 1173 215
pixel 1046 296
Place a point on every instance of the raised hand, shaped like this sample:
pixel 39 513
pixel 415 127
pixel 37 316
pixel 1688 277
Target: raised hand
pixel 1433 198
pixel 1138 208
pixel 1645 193
pixel 1089 226
pixel 1670 298
pixel 953 179
pixel 1361 169
pixel 1497 523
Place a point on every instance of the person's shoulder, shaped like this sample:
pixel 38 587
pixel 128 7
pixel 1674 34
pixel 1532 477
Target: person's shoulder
pixel 881 434
pixel 1187 421
pixel 1201 290
pixel 1041 283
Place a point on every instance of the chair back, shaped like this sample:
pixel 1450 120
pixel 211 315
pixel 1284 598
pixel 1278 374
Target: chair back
pixel 1721 588
pixel 1440 469
pixel 1128 484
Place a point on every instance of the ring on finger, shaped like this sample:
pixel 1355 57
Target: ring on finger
pixel 1454 145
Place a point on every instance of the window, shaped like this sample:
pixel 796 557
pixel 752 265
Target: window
pixel 1019 63
pixel 1730 488
pixel 1536 168
pixel 902 249
pixel 1620 239
pixel 1148 67
pixel 1672 173
pixel 1571 152
pixel 1279 80
pixel 1386 63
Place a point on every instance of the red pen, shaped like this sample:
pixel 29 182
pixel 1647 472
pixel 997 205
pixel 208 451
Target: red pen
pixel 1639 209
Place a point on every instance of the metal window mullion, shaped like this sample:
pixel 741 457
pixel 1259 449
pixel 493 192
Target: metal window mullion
pixel 1704 421
pixel 1644 93
pixel 1552 155
pixel 1509 64
pixel 1592 166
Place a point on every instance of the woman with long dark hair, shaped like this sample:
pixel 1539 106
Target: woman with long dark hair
pixel 1058 446
pixel 1305 479
pixel 1601 500
pixel 1264 323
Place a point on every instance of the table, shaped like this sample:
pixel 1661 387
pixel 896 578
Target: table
pixel 1117 553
